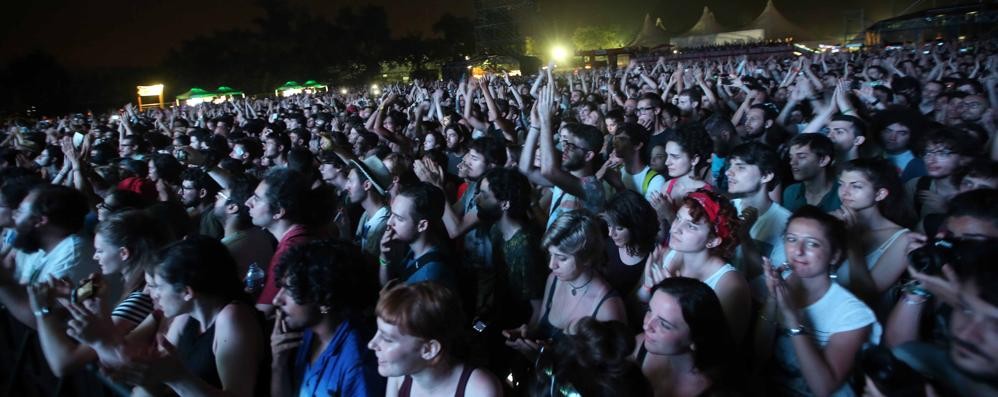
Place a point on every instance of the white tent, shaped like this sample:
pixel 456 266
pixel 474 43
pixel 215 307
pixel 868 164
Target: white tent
pixel 708 32
pixel 775 25
pixel 651 35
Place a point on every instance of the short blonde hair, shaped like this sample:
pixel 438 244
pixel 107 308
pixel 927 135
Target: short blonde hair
pixel 577 233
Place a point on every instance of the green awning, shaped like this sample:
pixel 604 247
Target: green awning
pixel 195 93
pixel 312 84
pixel 228 91
pixel 289 86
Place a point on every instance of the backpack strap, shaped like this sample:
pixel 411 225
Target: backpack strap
pixel 648 177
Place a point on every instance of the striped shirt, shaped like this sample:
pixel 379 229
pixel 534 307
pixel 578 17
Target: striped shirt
pixel 134 308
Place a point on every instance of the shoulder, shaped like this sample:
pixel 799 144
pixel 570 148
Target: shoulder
pixel 846 310
pixel 483 383
pixel 235 317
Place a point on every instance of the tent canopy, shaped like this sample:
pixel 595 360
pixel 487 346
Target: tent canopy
pixel 312 84
pixel 706 25
pixel 195 93
pixel 289 85
pixel 228 91
pixel 775 25
pixel 652 34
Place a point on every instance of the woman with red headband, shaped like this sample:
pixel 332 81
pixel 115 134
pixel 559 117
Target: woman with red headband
pixel 701 239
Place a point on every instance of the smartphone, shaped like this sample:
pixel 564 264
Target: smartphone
pixel 87 290
pixel 115 117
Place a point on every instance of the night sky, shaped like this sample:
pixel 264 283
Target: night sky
pixel 139 33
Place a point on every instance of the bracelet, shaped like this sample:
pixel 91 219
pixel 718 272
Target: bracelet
pixel 383 261
pixel 798 330
pixel 41 312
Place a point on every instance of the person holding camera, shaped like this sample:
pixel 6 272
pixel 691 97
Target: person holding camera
pixel 971 215
pixel 965 364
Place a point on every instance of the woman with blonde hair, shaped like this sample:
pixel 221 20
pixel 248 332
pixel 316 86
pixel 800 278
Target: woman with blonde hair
pixel 575 289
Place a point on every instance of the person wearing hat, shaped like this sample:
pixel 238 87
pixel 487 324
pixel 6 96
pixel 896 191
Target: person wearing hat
pixel 367 185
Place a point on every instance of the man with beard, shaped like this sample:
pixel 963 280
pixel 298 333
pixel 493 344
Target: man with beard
pixel 455 135
pixel 247 151
pixel 320 310
pixel 275 149
pixel 930 93
pixel 657 117
pixel 968 365
pixel 367 186
pixel 572 174
pixel 503 202
pixel 246 243
pixel 761 126
pixel 631 155
pixel 197 191
pixel 48 245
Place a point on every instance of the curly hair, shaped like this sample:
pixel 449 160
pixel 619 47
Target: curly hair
pixel 629 210
pixel 512 187
pixel 594 347
pixel 726 215
pixel 324 273
pixel 696 143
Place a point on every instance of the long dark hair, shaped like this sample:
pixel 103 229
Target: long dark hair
pixel 203 264
pixel 138 232
pixel 709 332
pixel 628 209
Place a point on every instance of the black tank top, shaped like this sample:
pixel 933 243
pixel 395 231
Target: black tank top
pixel 462 384
pixel 196 353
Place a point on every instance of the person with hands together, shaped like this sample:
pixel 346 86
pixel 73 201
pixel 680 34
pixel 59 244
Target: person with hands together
pixel 701 239
pixel 214 344
pixel 125 246
pixel 814 327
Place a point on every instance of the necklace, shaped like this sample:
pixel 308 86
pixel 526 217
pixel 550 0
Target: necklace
pixel 575 289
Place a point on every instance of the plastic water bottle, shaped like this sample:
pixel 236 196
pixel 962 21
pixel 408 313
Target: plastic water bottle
pixel 254 279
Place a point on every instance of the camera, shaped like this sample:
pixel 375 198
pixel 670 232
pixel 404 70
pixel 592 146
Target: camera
pixel 931 257
pixel 891 376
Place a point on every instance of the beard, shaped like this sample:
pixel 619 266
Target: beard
pixel 27 241
pixel 489 214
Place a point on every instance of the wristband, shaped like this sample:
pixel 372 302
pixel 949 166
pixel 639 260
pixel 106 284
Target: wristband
pixel 383 261
pixel 798 330
pixel 41 312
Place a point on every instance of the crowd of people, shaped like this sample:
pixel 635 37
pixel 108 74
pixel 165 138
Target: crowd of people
pixel 802 225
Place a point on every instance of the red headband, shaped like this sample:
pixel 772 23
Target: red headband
pixel 713 210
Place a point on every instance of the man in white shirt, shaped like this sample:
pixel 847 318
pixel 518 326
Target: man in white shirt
pixel 47 246
pixel 751 175
pixel 631 153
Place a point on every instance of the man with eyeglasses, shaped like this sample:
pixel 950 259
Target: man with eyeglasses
pixel 944 151
pixel 197 194
pixel 246 243
pixel 973 110
pixel 657 117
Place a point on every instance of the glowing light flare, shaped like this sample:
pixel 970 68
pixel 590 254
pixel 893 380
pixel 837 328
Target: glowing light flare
pixel 559 53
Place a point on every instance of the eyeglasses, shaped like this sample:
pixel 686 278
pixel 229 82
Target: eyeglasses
pixel 222 195
pixel 569 146
pixel 646 110
pixel 939 154
pixel 103 206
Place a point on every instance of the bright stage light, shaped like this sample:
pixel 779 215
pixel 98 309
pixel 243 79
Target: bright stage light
pixel 559 53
